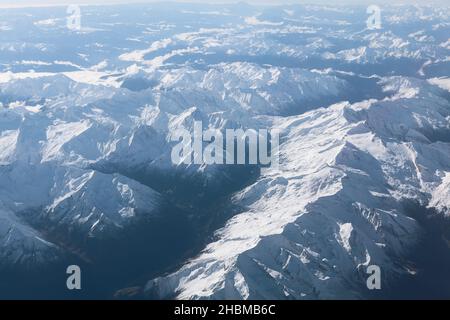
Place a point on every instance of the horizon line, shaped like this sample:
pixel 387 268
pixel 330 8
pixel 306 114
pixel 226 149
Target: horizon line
pixel 220 2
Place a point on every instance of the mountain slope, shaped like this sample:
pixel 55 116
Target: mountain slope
pixel 335 206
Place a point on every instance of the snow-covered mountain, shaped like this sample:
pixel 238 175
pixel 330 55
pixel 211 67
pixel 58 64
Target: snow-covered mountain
pixel 335 206
pixel 65 157
pixel 85 146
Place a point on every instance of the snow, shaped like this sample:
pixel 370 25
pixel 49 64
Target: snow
pixel 345 232
pixel 138 55
pixel 8 140
pixel 301 219
pixel 316 199
pixel 256 22
pixel 84 125
pixel 59 134
pixel 443 82
pixel 6 77
pixel 441 196
pixel 73 144
pixel 46 22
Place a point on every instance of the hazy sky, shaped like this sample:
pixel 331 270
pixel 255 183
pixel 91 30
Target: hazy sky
pixel 10 3
pixel 64 2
